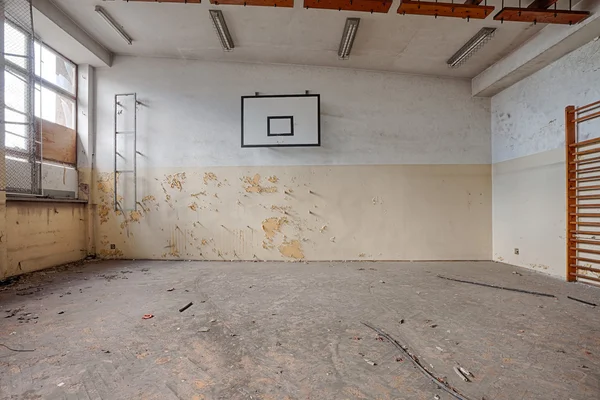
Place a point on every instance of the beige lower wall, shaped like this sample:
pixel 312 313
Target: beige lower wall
pixel 529 212
pixel 383 212
pixel 40 235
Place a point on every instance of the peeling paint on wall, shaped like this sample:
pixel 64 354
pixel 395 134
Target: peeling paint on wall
pixel 176 180
pixel 272 226
pixel 291 249
pixel 209 176
pixel 254 186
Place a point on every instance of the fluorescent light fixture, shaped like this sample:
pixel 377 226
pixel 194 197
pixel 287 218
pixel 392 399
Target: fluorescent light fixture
pixel 348 38
pixel 222 30
pixel 474 44
pixel 110 21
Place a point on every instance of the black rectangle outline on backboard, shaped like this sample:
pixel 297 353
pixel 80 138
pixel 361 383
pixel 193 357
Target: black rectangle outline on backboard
pixel 290 117
pixel 318 96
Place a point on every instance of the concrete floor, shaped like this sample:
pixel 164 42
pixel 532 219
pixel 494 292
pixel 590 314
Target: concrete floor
pixel 293 331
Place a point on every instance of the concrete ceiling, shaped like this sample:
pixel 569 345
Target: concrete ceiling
pixel 387 42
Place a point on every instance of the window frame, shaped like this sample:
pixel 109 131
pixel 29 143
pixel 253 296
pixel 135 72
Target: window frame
pixel 28 75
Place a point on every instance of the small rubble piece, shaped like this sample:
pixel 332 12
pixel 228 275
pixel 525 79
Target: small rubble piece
pixel 373 363
pixel 204 329
pixel 401 321
pixel 61 312
pixel 188 305
pixel 213 320
pixel 381 281
pixel 434 326
pixel 463 377
pixel 436 397
pixel 148 316
pixel 466 372
pixel 170 290
pixel 517 273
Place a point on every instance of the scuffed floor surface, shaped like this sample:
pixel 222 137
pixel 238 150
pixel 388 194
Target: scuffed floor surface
pixel 292 331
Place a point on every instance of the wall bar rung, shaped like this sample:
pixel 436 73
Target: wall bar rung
pixel 585 170
pixel 587 215
pixel 585 152
pixel 585 205
pixel 583 223
pixel 586 142
pixel 591 278
pixel 586 268
pixel 587 106
pixel 586 197
pixel 586 161
pixel 586 179
pixel 587 117
pixel 580 250
pixel 590 242
pixel 576 232
pixel 590 260
pixel 582 188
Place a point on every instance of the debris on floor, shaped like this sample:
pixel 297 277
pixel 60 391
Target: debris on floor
pixel 582 301
pixel 373 363
pixel 204 329
pixel 460 374
pixel 497 287
pixel 147 316
pixel 188 305
pixel 440 382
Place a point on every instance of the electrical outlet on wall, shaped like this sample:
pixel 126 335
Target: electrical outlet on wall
pixel 516 250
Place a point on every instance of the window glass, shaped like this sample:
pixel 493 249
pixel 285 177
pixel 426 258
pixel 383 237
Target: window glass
pixel 54 107
pixel 54 68
pixel 15 45
pixel 15 91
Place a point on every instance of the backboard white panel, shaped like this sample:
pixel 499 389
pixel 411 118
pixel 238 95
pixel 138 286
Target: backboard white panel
pixel 281 121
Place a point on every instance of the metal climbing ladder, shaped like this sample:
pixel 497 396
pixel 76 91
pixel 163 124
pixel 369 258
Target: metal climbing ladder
pixel 582 143
pixel 125 142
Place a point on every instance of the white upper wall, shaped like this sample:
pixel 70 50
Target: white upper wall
pixel 528 117
pixel 192 115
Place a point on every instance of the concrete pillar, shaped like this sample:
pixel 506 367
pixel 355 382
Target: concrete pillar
pixel 3 248
pixel 85 147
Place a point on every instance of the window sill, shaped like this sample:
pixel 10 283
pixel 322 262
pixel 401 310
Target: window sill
pixel 43 200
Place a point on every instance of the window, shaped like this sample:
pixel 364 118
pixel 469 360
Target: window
pixel 40 87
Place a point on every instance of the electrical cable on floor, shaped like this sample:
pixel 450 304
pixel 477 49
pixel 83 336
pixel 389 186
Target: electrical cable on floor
pixel 3 345
pixel 439 382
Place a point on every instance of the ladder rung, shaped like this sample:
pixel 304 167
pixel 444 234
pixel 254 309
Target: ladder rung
pixel 586 197
pixel 125 171
pixel 586 215
pixel 581 188
pixel 587 179
pixel 585 259
pixel 580 250
pixel 585 170
pixel 585 205
pixel 123 132
pixel 586 161
pixel 585 142
pixel 576 232
pixel 591 278
pixel 585 268
pixel 585 152
pixel 586 241
pixel 585 223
